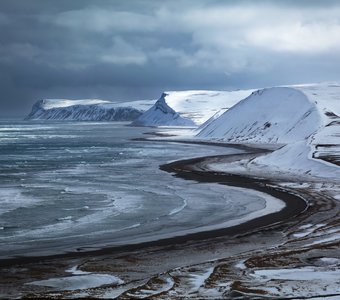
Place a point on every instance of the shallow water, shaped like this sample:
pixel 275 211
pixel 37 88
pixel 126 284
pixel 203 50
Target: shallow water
pixel 77 186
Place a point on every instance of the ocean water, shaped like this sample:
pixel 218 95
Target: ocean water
pixel 67 186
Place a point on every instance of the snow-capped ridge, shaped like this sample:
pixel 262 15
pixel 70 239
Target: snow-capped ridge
pixel 200 105
pixel 58 103
pixel 194 106
pixel 161 114
pixel 82 110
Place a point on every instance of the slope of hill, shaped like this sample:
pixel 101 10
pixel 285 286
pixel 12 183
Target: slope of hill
pixel 303 120
pixel 200 105
pixel 275 115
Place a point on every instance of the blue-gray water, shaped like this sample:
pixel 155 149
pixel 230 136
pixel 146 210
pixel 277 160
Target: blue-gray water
pixel 67 186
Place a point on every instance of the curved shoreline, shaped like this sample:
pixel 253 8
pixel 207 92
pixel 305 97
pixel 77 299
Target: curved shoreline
pixel 194 169
pixel 191 169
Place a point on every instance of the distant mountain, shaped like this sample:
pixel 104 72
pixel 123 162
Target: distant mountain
pixel 196 106
pixel 200 105
pixel 183 108
pixel 84 110
pixel 161 114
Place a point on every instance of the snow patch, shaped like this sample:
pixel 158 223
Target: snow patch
pixel 301 274
pixel 307 229
pixel 197 280
pixel 79 280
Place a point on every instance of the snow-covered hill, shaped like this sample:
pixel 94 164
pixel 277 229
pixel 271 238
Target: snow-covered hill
pixel 303 120
pixel 86 110
pixel 274 115
pixel 200 105
pixel 161 114
pixel 196 106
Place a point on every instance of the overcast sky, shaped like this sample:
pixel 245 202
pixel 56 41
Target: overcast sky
pixel 121 50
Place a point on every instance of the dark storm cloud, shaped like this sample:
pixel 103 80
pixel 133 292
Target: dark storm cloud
pixel 135 49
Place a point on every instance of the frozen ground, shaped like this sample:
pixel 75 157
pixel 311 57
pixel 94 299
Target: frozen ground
pixel 78 280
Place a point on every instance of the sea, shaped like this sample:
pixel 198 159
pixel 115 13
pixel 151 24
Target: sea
pixel 81 186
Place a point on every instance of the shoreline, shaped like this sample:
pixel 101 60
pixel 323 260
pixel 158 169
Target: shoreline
pixel 251 148
pixel 190 169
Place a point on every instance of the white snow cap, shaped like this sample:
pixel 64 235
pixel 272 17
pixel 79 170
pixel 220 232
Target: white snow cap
pixel 53 103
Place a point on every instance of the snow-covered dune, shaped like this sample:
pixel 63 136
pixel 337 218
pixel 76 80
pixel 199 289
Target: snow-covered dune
pixel 86 110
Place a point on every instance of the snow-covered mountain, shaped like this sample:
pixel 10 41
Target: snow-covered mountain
pixel 86 110
pixel 197 106
pixel 184 108
pixel 161 114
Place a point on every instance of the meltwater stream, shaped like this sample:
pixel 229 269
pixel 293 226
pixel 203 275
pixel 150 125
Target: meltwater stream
pixel 80 186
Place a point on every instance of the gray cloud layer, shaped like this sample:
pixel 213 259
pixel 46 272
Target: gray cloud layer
pixel 136 49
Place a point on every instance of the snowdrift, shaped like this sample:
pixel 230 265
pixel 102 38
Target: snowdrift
pixel 83 110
